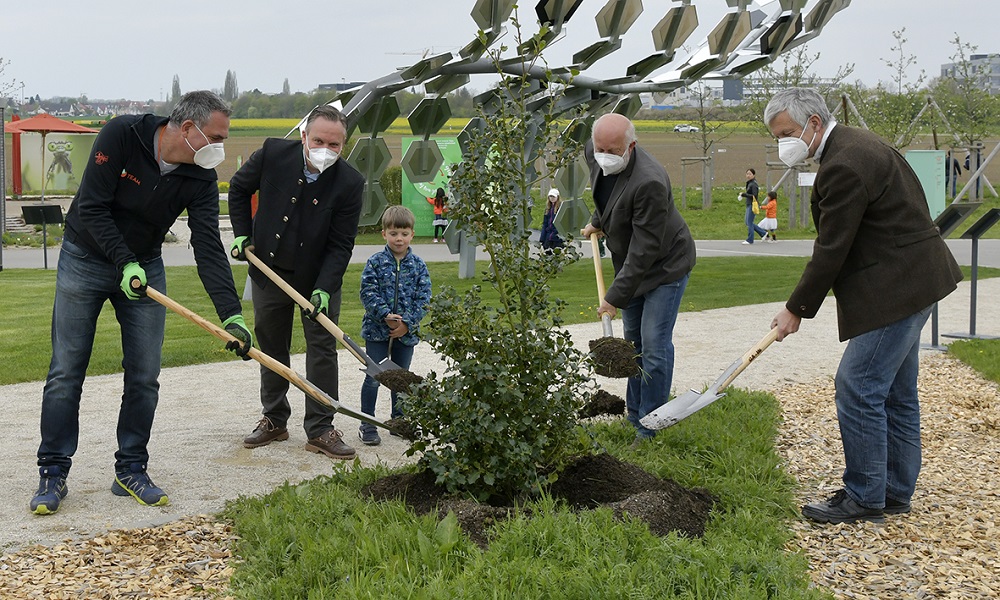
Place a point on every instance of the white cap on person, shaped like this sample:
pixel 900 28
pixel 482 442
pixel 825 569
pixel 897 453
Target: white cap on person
pixel 553 193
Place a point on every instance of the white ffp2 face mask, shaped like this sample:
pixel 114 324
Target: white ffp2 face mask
pixel 793 151
pixel 208 156
pixel 322 158
pixel 611 164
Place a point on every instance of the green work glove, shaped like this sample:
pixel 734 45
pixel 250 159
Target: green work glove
pixel 237 328
pixel 321 304
pixel 133 281
pixel 238 249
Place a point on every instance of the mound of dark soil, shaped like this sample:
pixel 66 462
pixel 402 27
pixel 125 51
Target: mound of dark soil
pixel 398 380
pixel 603 403
pixel 586 483
pixel 614 357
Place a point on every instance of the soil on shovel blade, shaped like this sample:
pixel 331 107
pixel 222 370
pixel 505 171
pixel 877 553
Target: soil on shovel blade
pixel 398 380
pixel 586 483
pixel 614 357
pixel 603 403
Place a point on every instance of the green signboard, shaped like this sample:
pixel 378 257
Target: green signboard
pixel 929 167
pixel 415 195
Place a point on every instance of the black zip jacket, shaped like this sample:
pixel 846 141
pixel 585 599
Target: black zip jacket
pixel 124 207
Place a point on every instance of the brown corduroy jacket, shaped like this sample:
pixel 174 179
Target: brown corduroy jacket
pixel 876 244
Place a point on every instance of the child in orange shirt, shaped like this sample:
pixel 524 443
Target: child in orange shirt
pixel 770 220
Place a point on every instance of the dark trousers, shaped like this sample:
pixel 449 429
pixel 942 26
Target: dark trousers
pixel 273 313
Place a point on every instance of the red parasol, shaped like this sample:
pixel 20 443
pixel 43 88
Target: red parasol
pixel 44 124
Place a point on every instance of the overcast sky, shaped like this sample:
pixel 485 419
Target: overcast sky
pixel 133 50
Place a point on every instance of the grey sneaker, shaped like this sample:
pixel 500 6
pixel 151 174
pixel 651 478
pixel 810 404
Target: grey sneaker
pixel 52 489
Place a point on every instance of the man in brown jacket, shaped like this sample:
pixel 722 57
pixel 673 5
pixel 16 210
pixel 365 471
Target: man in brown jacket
pixel 878 249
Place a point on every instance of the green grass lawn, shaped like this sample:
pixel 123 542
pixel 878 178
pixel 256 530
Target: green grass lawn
pixel 28 293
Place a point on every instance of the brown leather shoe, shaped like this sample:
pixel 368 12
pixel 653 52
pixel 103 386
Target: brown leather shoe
pixel 331 443
pixel 264 434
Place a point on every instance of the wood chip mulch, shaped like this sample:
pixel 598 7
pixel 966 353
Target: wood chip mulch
pixel 945 548
pixel 189 559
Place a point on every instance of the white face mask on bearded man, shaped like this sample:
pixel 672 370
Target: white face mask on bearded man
pixel 612 164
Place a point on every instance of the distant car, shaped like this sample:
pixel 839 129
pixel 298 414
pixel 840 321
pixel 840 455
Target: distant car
pixel 685 128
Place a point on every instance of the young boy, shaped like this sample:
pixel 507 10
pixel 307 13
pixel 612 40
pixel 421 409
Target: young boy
pixel 395 291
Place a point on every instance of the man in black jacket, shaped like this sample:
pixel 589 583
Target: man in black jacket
pixel 307 217
pixel 144 171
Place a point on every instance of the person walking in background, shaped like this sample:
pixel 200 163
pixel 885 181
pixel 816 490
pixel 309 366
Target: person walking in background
pixel 750 196
pixel 549 235
pixel 770 221
pixel 143 172
pixel 395 291
pixel 652 251
pixel 952 169
pixel 878 249
pixel 440 202
pixel 307 218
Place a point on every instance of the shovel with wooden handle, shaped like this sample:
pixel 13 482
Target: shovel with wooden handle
pixel 371 367
pixel 613 357
pixel 692 401
pixel 271 363
pixel 599 271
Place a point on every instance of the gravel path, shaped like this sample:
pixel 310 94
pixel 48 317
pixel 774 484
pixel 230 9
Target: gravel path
pixel 205 410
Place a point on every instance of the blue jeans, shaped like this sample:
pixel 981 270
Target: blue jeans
pixel 402 355
pixel 879 412
pixel 649 323
pixel 83 284
pixel 752 227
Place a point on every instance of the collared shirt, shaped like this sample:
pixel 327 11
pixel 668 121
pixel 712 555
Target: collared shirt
pixel 822 142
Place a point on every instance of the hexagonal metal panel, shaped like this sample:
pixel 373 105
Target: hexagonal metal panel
pixel 571 217
pixel 429 116
pixel 380 116
pixel 491 14
pixel 617 16
pixel 370 157
pixel 675 28
pixel 572 180
pixel 373 204
pixel 422 160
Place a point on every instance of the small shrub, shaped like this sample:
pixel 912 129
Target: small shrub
pixel 504 411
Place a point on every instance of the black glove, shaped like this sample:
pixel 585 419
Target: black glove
pixel 237 328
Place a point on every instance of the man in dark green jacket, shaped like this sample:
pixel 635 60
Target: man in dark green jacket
pixel 143 172
pixel 879 251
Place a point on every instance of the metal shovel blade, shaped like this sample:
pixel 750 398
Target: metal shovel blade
pixel 677 409
pixel 691 402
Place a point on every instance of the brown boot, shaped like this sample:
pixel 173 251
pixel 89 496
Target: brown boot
pixel 331 443
pixel 264 434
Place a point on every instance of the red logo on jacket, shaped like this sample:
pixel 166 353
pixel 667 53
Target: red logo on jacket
pixel 100 158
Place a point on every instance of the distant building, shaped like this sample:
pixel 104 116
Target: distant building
pixel 986 66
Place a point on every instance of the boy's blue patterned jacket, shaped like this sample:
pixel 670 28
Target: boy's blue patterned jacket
pixel 388 286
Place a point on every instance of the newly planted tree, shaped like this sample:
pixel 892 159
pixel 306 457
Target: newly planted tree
pixel 503 412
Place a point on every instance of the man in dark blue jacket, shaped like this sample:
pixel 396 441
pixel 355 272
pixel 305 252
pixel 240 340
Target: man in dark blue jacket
pixel 143 172
pixel 307 217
